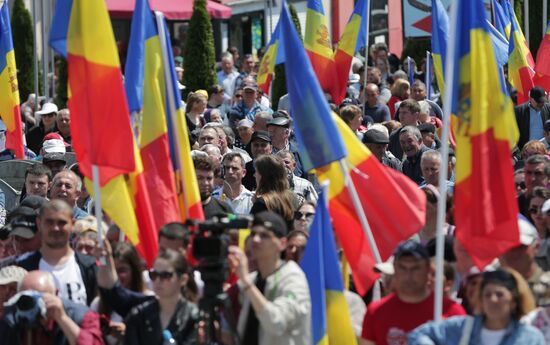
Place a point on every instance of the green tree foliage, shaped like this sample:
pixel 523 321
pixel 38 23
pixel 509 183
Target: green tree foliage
pixel 61 84
pixel 22 32
pixel 200 61
pixel 278 87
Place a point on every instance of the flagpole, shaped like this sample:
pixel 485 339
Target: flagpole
pixel 359 209
pixel 98 211
pixel 44 50
pixel 367 23
pixel 526 20
pixel 428 77
pixel 544 16
pixel 171 101
pixel 35 58
pixel 443 169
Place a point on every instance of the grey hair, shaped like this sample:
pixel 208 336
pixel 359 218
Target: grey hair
pixel 413 130
pixel 286 153
pixel 538 159
pixel 78 180
pixel 431 154
pixel 207 147
pixel 264 115
pixel 227 55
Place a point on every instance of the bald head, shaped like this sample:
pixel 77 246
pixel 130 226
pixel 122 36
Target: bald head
pixel 40 281
pixel 371 94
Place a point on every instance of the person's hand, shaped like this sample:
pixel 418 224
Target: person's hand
pixel 117 329
pixel 54 307
pixel 104 251
pixel 238 262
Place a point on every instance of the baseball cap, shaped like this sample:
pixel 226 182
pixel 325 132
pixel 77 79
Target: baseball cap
pixel 12 274
pixel 527 231
pixel 538 94
pixel 250 86
pixel 88 223
pixel 374 136
pixel 33 201
pixel 48 108
pixel 426 128
pixel 23 224
pixel 279 121
pixel 245 123
pixel 271 221
pixel 411 248
pixel 262 135
pixel 54 157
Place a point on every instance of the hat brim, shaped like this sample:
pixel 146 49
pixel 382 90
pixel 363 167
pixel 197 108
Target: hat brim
pixel 22 232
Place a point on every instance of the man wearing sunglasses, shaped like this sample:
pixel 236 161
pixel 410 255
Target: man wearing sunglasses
pixel 46 125
pixel 276 306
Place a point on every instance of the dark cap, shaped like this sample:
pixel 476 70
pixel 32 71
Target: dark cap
pixel 250 86
pixel 538 94
pixel 261 135
pixel 547 126
pixel 426 128
pixel 411 248
pixel 33 201
pixel 23 224
pixel 374 136
pixel 54 157
pixel 271 221
pixel 279 121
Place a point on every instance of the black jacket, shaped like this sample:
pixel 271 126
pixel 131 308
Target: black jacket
pixel 523 116
pixel 143 324
pixel 87 265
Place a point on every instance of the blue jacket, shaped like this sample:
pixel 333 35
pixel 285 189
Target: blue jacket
pixel 450 331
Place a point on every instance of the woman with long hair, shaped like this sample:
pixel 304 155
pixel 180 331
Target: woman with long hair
pixel 538 196
pixel 195 107
pixel 504 297
pixel 273 192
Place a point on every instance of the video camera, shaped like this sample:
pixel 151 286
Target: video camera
pixel 25 308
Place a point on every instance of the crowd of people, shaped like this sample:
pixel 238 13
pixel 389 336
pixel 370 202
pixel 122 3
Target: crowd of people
pixel 60 284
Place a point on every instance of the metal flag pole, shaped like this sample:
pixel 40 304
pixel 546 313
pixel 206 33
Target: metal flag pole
pixel 45 67
pixel 97 204
pixel 526 20
pixel 544 16
pixel 428 77
pixel 35 56
pixel 367 30
pixel 443 170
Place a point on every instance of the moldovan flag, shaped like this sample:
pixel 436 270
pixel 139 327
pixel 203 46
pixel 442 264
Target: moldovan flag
pixel 486 208
pixel 542 66
pixel 521 67
pixel 319 45
pixel 388 226
pixel 272 57
pixel 502 20
pixel 180 149
pixel 440 37
pixel 330 318
pixel 145 89
pixel 100 126
pixel 10 112
pixel 353 38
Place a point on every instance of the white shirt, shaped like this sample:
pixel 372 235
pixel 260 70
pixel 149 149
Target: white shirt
pixel 242 204
pixel 490 337
pixel 68 279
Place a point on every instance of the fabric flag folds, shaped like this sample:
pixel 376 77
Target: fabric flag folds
pixel 330 318
pixel 388 226
pixel 485 199
pixel 145 89
pixel 100 126
pixel 272 57
pixel 352 40
pixel 318 45
pixel 542 66
pixel 502 20
pixel 316 133
pixel 10 111
pixel 440 36
pixel 521 67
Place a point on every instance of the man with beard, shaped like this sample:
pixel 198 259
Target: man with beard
pixel 74 272
pixel 204 170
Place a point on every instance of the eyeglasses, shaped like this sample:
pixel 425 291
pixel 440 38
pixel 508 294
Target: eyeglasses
pixel 299 215
pixel 163 275
pixel 238 96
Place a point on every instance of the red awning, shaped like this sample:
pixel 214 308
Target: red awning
pixel 172 9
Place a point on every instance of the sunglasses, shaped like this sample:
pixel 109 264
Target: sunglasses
pixel 163 275
pixel 239 96
pixel 299 215
pixel 48 115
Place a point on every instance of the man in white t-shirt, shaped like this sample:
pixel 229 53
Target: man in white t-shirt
pixel 74 273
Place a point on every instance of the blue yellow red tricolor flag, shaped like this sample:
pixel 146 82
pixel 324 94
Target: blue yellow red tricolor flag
pixel 486 208
pixel 330 318
pixel 10 112
pixel 521 67
pixel 388 228
pixel 272 57
pixel 146 91
pixel 100 125
pixel 502 20
pixel 318 45
pixel 440 37
pixel 180 149
pixel 353 38
pixel 317 136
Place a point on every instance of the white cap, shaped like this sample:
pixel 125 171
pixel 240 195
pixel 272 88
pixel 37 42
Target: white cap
pixel 527 232
pixel 54 146
pixel 12 274
pixel 385 267
pixel 48 108
pixel 545 207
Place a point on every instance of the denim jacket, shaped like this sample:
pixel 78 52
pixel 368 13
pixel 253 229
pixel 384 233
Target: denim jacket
pixel 450 331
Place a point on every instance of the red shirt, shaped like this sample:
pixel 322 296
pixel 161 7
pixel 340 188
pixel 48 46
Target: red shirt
pixel 389 320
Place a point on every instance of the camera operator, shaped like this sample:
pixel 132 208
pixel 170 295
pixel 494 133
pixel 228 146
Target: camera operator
pixel 276 308
pixel 63 321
